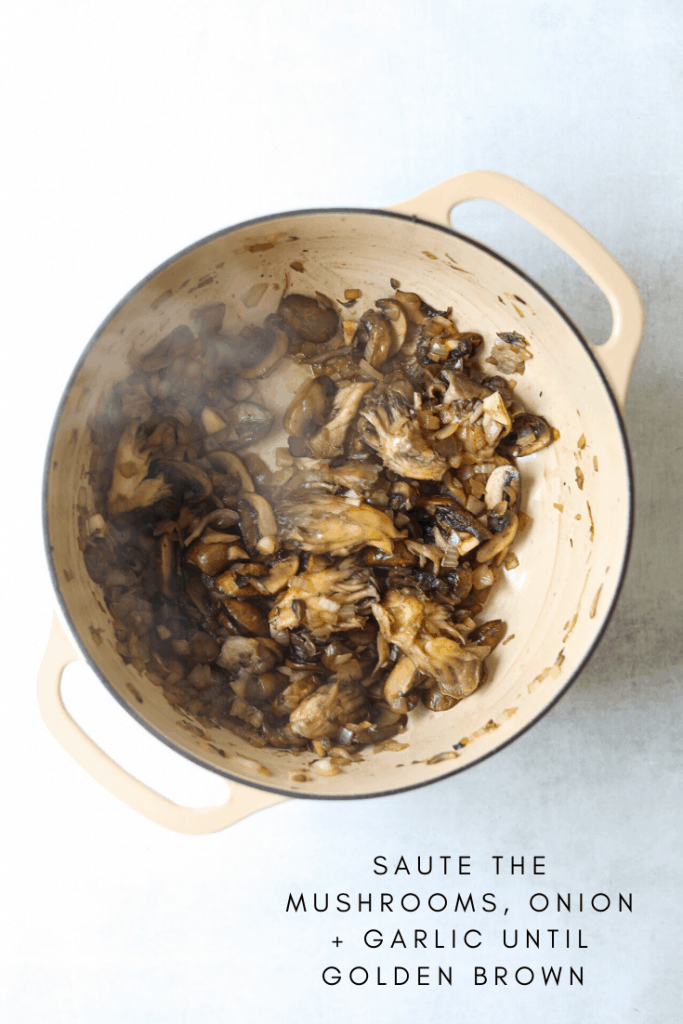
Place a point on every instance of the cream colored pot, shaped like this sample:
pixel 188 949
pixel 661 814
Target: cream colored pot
pixel 577 492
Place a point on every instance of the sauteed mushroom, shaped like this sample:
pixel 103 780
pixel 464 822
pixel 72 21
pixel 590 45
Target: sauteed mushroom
pixel 311 321
pixel 311 604
pixel 529 434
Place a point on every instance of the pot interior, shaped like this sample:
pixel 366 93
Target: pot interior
pixel 576 492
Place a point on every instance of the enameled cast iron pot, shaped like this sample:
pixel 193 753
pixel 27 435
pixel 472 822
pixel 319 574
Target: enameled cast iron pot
pixel 571 561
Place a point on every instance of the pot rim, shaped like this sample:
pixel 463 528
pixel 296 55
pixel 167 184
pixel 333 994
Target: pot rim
pixel 412 218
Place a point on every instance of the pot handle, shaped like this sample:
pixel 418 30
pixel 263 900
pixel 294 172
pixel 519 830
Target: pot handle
pixel 618 354
pixel 242 800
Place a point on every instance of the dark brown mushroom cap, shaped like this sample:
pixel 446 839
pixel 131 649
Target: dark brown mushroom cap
pixel 450 514
pixel 529 434
pixel 373 337
pixel 490 633
pixel 311 321
pixel 311 407
pixel 436 700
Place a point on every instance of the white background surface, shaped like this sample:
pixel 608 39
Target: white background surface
pixel 131 130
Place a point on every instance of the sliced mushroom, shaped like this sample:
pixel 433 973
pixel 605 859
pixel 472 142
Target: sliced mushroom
pixel 503 529
pixel 232 465
pixel 311 407
pixel 290 698
pixel 398 323
pixel 189 474
pixel 389 427
pixel 257 523
pixel 129 488
pixel 398 683
pixel 279 576
pixel 246 616
pixel 529 434
pixel 415 308
pixel 503 481
pixel 328 523
pixel 165 562
pixel 222 518
pixel 236 583
pixel 311 321
pixel 246 423
pixel 328 709
pixel 450 515
pixel 374 337
pixel 490 633
pixel 328 442
pixel 436 700
pixel 399 556
pixel 251 655
pixel 270 359
pixel 209 558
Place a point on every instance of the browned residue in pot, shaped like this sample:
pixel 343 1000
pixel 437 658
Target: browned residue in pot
pixel 389 745
pixel 594 606
pixel 581 443
pixel 552 670
pixel 135 693
pixel 96 634
pixel 508 639
pixel 569 626
pixel 430 254
pixel 579 477
pixel 592 533
pixel 298 266
pixel 595 463
pixel 250 764
pixel 162 298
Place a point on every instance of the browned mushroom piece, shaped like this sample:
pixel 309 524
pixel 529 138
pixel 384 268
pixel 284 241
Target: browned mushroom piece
pixel 328 709
pixel 247 618
pixel 129 487
pixel 399 556
pixel 165 564
pixel 373 337
pixel 503 529
pixel 308 318
pixel 398 684
pixel 489 633
pixel 311 407
pixel 209 558
pixel 189 478
pixel 328 441
pixel 246 423
pixel 436 700
pixel 271 347
pixel 422 630
pixel 529 434
pixel 257 523
pixel 328 523
pixel 291 696
pixel 250 655
pixel 398 323
pixel 389 427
